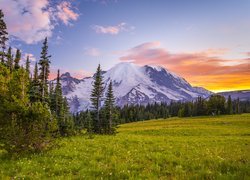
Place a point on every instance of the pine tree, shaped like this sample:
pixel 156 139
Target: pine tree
pixel 58 96
pixel 89 124
pixel 109 109
pixel 17 59
pixel 96 98
pixel 229 105
pixel 35 77
pixel 9 62
pixel 27 65
pixel 3 35
pixel 34 93
pixel 44 70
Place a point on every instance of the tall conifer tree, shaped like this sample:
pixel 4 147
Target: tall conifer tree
pixel 9 62
pixel 17 59
pixel 27 65
pixel 229 105
pixel 44 70
pixel 96 98
pixel 3 35
pixel 109 109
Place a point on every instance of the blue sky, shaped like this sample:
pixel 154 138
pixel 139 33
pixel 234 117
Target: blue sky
pixel 87 32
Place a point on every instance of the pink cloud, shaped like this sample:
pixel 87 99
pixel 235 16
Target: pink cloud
pixel 33 20
pixel 113 30
pixel 193 66
pixel 65 13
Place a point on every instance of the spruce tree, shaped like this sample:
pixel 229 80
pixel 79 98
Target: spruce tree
pixel 3 35
pixel 35 90
pixel 96 98
pixel 229 105
pixel 109 109
pixel 9 62
pixel 44 63
pixel 27 65
pixel 17 59
pixel 58 96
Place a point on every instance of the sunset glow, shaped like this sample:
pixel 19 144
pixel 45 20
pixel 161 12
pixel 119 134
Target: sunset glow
pixel 205 42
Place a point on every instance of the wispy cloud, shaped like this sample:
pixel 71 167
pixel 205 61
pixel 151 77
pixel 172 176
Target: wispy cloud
pixel 92 52
pixel 113 30
pixel 65 13
pixel 204 68
pixel 33 20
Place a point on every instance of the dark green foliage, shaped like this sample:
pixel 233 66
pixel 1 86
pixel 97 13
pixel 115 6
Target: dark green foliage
pixel 229 105
pixel 28 121
pixel 27 65
pixel 109 111
pixel 35 88
pixel 9 57
pixel 17 59
pixel 216 105
pixel 44 64
pixel 3 36
pixel 24 126
pixel 96 98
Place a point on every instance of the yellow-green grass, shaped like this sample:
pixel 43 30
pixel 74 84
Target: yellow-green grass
pixel 175 148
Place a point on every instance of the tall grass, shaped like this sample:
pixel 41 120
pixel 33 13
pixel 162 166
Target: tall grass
pixel 186 148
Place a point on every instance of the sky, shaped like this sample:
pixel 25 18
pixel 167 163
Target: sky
pixel 207 42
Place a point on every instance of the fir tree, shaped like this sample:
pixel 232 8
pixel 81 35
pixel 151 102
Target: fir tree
pixel 27 65
pixel 58 96
pixel 229 105
pixel 44 70
pixel 109 109
pixel 3 35
pixel 9 62
pixel 35 94
pixel 96 98
pixel 17 59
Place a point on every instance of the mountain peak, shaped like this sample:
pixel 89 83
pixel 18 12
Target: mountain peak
pixel 66 74
pixel 157 68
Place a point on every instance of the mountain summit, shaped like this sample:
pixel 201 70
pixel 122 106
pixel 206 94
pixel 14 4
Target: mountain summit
pixel 132 84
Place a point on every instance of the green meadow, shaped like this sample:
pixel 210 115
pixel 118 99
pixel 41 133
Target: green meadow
pixel 174 148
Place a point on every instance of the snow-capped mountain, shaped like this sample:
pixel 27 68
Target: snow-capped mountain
pixel 132 84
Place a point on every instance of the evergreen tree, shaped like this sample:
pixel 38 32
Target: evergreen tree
pixel 17 59
pixel 27 65
pixel 109 109
pixel 35 94
pixel 9 57
pixel 3 36
pixel 89 125
pixel 44 70
pixel 58 96
pixel 96 98
pixel 229 105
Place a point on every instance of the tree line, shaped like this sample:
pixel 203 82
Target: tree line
pixel 214 105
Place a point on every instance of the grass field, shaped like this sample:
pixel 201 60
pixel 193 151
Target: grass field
pixel 186 148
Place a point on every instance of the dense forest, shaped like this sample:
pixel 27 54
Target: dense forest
pixel 33 111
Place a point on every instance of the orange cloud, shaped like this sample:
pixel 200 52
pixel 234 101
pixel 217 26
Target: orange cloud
pixel 204 68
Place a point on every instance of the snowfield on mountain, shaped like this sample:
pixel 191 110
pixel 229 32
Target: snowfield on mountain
pixel 133 84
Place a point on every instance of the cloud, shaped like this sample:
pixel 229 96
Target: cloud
pixel 33 20
pixel 92 52
pixel 65 13
pixel 113 30
pixel 204 68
